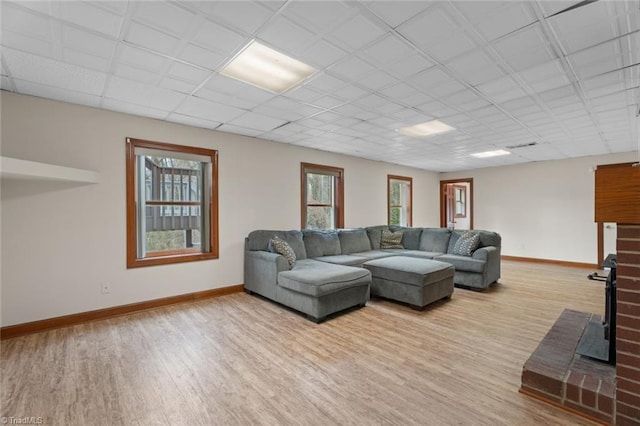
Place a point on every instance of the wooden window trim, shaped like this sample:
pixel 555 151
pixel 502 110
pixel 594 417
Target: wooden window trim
pixel 169 256
pixel 464 188
pixel 339 196
pixel 409 207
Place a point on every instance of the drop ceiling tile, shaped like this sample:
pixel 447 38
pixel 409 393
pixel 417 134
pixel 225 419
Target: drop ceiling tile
pixel 546 76
pixel 356 33
pixel 377 80
pixel 583 20
pixel 398 91
pixel 26 44
pixel 188 73
pixel 139 58
pixel 142 94
pixel 524 48
pixel 153 39
pixel 324 82
pixel 137 74
pixel 38 6
pixel 164 16
pixel 321 54
pixel 238 130
pixel 202 57
pixel 388 49
pixel 284 35
pixel 52 73
pixel 178 85
pixel 352 68
pixel 350 92
pixel 252 120
pixel 91 16
pixel 86 42
pixel 437 109
pixel 24 22
pixel 320 15
pixel 201 108
pixel 328 102
pixel 226 99
pixel 451 47
pixel 128 108
pixel 508 18
pixel 244 15
pixel 303 94
pixel 408 66
pixel 432 27
pixel 218 38
pixel 192 121
pixel 56 93
pixel 502 89
pixel 475 68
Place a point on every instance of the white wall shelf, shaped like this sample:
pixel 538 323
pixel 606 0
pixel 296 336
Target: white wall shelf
pixel 14 168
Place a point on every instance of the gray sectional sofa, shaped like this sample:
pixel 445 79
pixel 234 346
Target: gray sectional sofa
pixel 328 274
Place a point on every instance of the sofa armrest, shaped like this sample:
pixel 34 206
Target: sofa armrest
pixel 491 255
pixel 483 253
pixel 261 270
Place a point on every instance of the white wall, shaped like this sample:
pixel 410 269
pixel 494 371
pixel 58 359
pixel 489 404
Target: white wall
pixel 543 210
pixel 60 241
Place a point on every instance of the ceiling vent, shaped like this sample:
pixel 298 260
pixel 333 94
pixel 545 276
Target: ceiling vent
pixel 524 145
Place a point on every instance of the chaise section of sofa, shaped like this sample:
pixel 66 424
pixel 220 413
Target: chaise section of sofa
pixel 315 288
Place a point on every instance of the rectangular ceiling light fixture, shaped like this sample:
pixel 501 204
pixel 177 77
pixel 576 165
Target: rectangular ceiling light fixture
pixel 429 128
pixel 488 154
pixel 266 68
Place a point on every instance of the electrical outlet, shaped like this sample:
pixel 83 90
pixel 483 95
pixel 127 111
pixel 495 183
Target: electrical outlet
pixel 106 288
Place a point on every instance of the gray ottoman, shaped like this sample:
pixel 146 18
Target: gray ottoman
pixel 415 281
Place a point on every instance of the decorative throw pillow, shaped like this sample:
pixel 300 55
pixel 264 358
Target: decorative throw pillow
pixel 282 247
pixel 466 244
pixel 391 240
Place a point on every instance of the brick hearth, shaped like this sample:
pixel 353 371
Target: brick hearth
pixel 554 371
pixel 611 394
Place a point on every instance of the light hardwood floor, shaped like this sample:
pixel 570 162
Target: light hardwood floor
pixel 239 360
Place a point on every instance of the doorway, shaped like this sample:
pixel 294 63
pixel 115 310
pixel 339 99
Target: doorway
pixel 456 203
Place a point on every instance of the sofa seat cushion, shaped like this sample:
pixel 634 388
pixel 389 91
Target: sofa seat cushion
pixel 343 259
pixel 410 270
pixel 463 263
pixel 315 278
pixel 413 253
pixel 373 254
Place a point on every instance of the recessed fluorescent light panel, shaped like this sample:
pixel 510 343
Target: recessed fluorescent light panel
pixel 266 68
pixel 488 154
pixel 426 129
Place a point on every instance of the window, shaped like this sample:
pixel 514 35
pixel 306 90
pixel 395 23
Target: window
pixel 322 196
pixel 172 204
pixel 399 199
pixel 460 198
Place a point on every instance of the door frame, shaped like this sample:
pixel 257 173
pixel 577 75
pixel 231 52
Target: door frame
pixel 443 200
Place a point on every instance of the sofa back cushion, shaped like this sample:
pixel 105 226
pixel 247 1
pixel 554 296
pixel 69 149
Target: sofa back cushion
pixel 321 243
pixel 375 235
pixel 435 240
pixel 354 240
pixel 410 236
pixel 259 240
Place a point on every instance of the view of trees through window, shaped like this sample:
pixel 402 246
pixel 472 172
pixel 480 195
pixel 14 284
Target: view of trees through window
pixel 399 200
pixel 170 226
pixel 395 193
pixel 322 196
pixel 320 201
